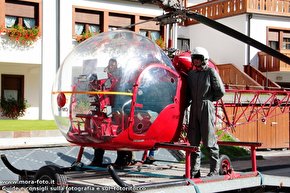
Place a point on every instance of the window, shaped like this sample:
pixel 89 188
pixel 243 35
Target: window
pixel 183 44
pixel 279 39
pixel 274 45
pixel 86 21
pixel 153 35
pixel 81 28
pixel 286 41
pixel 149 28
pixel 12 86
pixel 21 13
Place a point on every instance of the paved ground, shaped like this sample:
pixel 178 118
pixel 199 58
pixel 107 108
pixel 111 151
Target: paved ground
pixel 34 158
pixel 274 162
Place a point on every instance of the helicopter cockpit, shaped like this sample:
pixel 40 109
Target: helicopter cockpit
pixel 112 82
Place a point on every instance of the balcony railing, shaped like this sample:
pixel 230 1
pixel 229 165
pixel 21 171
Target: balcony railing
pixel 260 78
pixel 217 9
pixel 270 7
pixel 268 63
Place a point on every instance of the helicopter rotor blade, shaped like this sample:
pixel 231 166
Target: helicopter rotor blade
pixel 237 35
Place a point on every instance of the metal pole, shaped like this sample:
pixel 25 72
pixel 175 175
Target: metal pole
pixel 254 159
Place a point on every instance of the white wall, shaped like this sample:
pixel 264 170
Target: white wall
pixel 222 48
pixel 49 57
pixel 120 5
pixel 31 91
pixel 278 76
pixel 66 45
pixel 11 52
pixel 194 2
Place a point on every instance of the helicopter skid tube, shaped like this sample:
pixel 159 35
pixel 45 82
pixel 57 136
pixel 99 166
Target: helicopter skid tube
pixel 117 179
pixel 129 187
pixel 22 173
pixel 27 174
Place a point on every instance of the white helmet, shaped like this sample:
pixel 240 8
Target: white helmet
pixel 201 53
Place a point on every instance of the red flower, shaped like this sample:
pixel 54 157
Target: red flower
pixel 23 36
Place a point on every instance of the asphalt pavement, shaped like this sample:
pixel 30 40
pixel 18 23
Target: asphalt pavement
pixel 34 158
pixel 271 162
pixel 33 154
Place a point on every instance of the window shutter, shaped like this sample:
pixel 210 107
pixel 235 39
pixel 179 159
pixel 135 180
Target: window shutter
pixel 87 17
pixel 20 10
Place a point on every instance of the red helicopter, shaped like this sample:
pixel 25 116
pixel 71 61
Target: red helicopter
pixel 131 106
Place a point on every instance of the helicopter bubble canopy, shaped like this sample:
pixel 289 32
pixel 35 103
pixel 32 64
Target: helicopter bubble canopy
pixel 108 80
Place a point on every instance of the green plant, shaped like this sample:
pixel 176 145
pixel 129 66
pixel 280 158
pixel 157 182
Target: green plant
pixel 22 35
pixel 13 108
pixel 84 36
pixel 233 152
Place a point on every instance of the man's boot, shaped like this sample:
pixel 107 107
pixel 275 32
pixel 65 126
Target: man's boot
pixel 98 157
pixel 195 174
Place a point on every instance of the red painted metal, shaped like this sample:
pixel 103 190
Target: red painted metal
pixel 185 147
pixel 254 158
pixel 182 62
pixel 61 100
pixel 145 155
pixel 80 154
pixel 224 177
pixel 251 105
pixel 252 145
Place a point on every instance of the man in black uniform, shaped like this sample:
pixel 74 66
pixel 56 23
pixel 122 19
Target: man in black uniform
pixel 205 86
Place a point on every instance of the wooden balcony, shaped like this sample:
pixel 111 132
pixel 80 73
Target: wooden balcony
pixel 234 78
pixel 251 78
pixel 268 63
pixel 217 9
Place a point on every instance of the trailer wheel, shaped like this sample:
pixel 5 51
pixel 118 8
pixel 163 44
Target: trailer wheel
pixel 225 165
pixel 50 178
